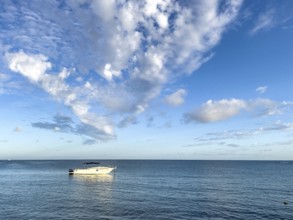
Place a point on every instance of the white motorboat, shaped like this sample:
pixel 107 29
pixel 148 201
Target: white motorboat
pixel 92 170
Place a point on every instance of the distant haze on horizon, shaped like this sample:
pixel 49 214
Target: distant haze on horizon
pixel 151 79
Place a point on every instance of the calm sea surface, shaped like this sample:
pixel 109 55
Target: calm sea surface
pixel 148 189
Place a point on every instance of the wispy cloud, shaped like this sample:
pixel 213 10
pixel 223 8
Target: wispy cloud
pixel 89 142
pixel 127 121
pixel 279 126
pixel 4 141
pixel 221 137
pixel 3 79
pixel 228 138
pixel 261 89
pixel 287 27
pixel 60 124
pixel 265 21
pixel 65 124
pixel 103 58
pixel 244 138
pixel 17 129
pixel 9 85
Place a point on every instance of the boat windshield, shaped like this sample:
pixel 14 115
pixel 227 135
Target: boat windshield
pixel 91 163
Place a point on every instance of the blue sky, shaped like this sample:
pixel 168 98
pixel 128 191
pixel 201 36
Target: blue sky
pixel 146 79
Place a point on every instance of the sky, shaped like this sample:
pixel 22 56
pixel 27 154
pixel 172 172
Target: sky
pixel 150 79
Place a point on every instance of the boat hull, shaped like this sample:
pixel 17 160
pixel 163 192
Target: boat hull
pixel 92 170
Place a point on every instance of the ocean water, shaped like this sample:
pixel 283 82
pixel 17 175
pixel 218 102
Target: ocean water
pixel 146 189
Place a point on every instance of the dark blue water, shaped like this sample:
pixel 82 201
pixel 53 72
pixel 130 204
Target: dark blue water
pixel 147 190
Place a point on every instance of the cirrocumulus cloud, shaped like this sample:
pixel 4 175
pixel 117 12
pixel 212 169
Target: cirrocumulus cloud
pixel 104 58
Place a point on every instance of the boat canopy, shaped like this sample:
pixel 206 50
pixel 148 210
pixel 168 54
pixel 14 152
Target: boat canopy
pixel 92 163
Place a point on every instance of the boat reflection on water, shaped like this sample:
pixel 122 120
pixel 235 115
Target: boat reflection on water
pixel 98 187
pixel 103 178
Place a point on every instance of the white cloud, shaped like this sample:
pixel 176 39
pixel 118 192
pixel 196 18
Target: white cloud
pixel 31 66
pixel 108 73
pixel 212 111
pixel 64 74
pixel 265 21
pixel 261 89
pixel 176 98
pixel 217 110
pixel 162 20
pixel 264 107
pixel 104 9
pixel 34 68
pixel 111 50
